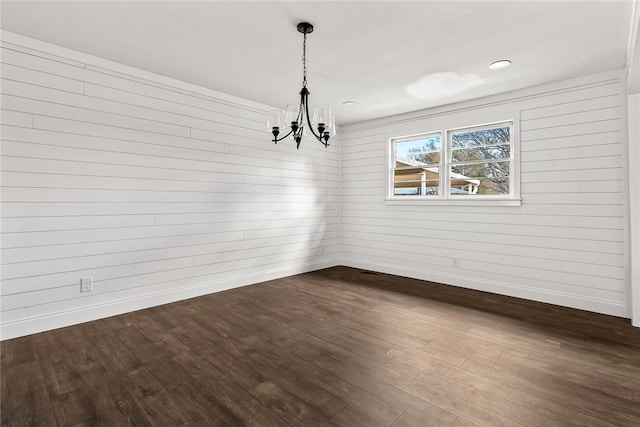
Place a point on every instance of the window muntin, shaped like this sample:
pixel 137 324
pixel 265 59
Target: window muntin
pixel 475 162
pixel 486 152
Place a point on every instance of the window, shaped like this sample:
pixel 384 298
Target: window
pixel 470 163
pixel 417 165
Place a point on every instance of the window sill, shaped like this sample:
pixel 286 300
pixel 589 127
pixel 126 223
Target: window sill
pixel 455 202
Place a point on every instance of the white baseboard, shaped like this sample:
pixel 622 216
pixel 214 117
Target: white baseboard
pixel 557 298
pixel 32 325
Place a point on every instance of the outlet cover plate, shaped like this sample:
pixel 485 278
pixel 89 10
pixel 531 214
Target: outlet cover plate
pixel 86 284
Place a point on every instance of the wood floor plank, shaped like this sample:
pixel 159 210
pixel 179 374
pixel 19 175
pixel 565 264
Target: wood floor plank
pixel 264 386
pixel 452 402
pixel 333 347
pixel 353 417
pixel 502 390
pixel 153 398
pixel 73 408
pixel 59 374
pixel 120 358
pixel 386 391
pixel 28 391
pixel 461 422
pixel 22 350
pixel 204 408
pixel 574 398
pixel 300 386
pixel 324 327
pixel 621 386
pixel 332 333
pixel 364 402
pixel 235 404
pixel 419 356
pixel 240 401
pixel 285 404
pixel 507 409
pixel 408 420
pixel 114 408
pixel 407 329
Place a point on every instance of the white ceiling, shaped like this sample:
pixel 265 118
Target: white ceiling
pixel 369 52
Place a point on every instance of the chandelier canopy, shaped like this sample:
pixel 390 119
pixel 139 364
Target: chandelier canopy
pixel 297 117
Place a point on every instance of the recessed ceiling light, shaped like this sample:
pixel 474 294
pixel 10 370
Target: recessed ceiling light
pixel 349 103
pixel 499 65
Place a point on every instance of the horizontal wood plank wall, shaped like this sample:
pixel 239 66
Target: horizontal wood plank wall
pixel 565 244
pixel 633 112
pixel 157 192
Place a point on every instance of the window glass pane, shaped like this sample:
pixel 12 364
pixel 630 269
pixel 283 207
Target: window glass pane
pixel 474 138
pixel 416 182
pixel 418 152
pixel 481 153
pixel 480 179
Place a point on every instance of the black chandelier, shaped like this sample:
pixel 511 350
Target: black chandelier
pixel 297 114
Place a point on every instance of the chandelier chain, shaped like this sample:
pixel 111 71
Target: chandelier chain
pixel 304 61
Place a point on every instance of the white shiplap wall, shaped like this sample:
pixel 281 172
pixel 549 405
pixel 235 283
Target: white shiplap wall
pixel 158 189
pixel 566 243
pixel 633 101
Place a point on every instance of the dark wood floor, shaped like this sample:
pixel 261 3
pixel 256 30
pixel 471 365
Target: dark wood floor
pixel 335 347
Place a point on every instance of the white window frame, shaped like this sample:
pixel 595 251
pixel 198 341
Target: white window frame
pixel 392 159
pixel 444 197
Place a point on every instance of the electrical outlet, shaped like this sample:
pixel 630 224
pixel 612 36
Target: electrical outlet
pixel 86 284
pixel 456 261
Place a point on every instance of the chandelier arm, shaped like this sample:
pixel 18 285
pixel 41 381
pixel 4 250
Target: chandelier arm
pixel 280 139
pixel 306 109
pixel 304 96
pixel 300 110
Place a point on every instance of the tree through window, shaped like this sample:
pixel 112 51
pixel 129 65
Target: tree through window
pixel 484 155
